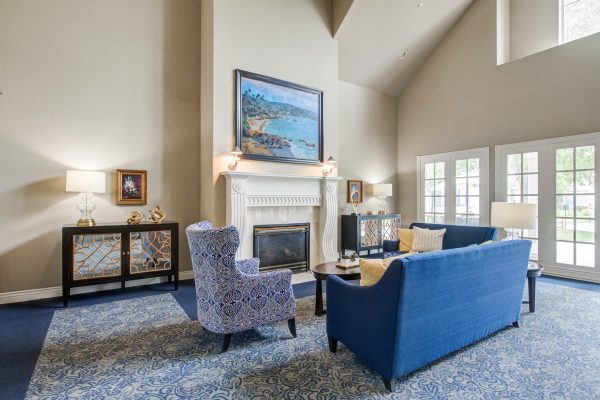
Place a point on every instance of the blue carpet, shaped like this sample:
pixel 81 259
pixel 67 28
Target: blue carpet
pixel 23 326
pixel 148 347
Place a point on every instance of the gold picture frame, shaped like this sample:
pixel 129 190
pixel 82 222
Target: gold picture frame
pixel 131 187
pixel 355 185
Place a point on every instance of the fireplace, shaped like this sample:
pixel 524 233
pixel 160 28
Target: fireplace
pixel 282 246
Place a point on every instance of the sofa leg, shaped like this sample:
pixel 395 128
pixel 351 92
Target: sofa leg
pixel 292 326
pixel 515 324
pixel 226 342
pixel 332 344
pixel 390 385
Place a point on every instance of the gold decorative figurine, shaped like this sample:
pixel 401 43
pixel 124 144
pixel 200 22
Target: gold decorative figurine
pixel 134 218
pixel 157 215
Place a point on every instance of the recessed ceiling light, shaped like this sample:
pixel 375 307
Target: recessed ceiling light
pixel 420 4
pixel 403 54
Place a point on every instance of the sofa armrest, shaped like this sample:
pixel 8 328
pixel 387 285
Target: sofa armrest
pixel 249 266
pixel 364 319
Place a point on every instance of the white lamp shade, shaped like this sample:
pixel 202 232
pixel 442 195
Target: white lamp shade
pixel 86 181
pixel 382 189
pixel 514 215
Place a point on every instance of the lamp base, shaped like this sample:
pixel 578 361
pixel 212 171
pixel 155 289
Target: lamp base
pixel 381 212
pixel 86 222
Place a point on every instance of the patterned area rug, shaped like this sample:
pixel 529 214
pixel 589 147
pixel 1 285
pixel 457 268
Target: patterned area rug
pixel 148 348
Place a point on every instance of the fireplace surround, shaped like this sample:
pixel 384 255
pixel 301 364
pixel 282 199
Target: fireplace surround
pixel 265 198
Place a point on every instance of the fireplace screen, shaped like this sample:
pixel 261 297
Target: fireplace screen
pixel 282 246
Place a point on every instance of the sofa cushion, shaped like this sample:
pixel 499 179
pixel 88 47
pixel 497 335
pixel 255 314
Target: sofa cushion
pixel 459 235
pixel 406 239
pixel 372 269
pixel 428 240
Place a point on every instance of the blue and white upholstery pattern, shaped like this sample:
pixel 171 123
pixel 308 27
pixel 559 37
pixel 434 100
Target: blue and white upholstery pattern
pixel 232 296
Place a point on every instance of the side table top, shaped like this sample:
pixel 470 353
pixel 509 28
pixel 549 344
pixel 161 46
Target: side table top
pixel 330 268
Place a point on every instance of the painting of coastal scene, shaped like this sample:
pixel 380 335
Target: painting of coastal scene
pixel 279 121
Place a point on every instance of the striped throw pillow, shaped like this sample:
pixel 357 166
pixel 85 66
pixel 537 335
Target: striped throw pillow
pixel 427 240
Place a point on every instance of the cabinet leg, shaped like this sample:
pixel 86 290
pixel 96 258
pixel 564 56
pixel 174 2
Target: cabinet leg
pixel 176 276
pixel 122 285
pixel 170 278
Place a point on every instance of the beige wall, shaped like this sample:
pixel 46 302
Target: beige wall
pixel 290 40
pixel 368 134
pixel 533 26
pixel 460 99
pixel 92 85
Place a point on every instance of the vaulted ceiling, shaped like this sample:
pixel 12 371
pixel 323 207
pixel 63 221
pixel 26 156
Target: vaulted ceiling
pixel 383 42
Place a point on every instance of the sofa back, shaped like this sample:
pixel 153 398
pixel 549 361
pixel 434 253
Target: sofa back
pixel 460 235
pixel 449 299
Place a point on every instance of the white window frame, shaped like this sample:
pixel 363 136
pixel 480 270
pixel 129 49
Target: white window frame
pixel 449 160
pixel 547 199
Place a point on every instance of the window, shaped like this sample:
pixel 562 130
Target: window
pixel 560 175
pixel 575 198
pixel 579 18
pixel 522 187
pixel 453 187
pixel 435 182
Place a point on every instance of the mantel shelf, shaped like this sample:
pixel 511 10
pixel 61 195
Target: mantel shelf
pixel 242 174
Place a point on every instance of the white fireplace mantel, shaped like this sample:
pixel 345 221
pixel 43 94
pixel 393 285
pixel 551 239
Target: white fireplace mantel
pixel 247 189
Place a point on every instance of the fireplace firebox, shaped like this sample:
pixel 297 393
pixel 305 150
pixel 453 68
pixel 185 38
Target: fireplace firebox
pixel 282 246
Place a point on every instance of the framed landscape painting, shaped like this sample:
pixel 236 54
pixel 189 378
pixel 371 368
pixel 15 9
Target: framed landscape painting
pixel 278 120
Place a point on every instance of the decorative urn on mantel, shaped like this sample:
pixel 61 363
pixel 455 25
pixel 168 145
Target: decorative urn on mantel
pixel 246 190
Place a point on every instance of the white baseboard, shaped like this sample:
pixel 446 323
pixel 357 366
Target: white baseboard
pixel 56 291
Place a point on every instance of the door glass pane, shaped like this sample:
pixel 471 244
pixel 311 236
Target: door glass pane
pixel 584 182
pixel 530 162
pixel 461 168
pixel 429 171
pixel 473 186
pixel 575 206
pixel 514 185
pixel 513 163
pixel 585 254
pixel 461 186
pixel 564 159
pixel 564 182
pixel 530 184
pixel 473 167
pixel 584 157
pixel 565 253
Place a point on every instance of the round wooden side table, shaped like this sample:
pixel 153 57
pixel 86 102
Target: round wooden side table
pixel 322 271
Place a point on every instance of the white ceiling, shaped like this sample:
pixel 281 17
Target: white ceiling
pixel 375 33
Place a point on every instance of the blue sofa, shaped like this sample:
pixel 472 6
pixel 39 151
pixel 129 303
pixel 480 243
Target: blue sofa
pixel 428 305
pixel 456 236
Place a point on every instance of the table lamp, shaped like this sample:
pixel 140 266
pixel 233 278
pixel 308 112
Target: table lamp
pixel 86 183
pixel 514 215
pixel 382 190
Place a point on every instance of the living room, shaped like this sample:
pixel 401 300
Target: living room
pixel 450 146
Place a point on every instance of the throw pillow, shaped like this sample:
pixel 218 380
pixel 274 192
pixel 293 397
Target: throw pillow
pixel 428 240
pixel 372 269
pixel 406 239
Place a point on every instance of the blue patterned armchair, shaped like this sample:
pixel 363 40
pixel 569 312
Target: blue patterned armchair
pixel 231 295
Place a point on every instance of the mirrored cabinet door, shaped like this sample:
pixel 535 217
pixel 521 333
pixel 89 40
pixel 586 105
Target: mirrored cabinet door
pixel 149 251
pixel 96 256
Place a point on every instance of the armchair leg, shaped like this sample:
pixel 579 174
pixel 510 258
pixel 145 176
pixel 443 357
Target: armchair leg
pixel 390 385
pixel 332 344
pixel 515 324
pixel 292 326
pixel 226 342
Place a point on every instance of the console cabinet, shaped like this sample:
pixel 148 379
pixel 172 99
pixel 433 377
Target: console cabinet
pixel 108 253
pixel 367 232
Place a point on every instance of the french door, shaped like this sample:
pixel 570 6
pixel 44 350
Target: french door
pixel 561 175
pixel 453 187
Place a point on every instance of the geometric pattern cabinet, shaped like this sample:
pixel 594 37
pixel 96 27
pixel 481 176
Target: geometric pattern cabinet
pixel 118 253
pixel 367 232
